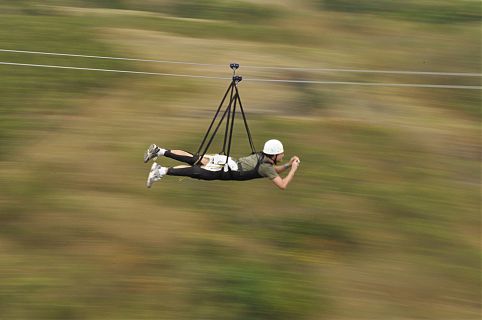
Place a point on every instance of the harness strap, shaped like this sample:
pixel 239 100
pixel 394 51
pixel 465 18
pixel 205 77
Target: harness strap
pixel 230 89
pixel 230 112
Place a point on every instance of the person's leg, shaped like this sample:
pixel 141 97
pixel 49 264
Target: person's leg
pixel 180 155
pixel 186 157
pixel 195 172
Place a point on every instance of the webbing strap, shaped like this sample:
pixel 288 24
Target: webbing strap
pixel 231 127
pixel 217 127
pixel 230 112
pixel 227 121
pixel 230 88
pixel 248 132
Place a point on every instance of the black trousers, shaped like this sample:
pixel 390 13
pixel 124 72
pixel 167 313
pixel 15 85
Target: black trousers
pixel 191 160
pixel 196 172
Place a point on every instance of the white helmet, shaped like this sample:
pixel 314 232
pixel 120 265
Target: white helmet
pixel 273 147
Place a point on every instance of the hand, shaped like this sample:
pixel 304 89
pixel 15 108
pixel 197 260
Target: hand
pixel 295 162
pixel 294 159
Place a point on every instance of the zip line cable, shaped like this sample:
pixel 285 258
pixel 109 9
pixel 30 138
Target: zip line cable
pixel 381 84
pixel 111 70
pixel 431 73
pixel 111 58
pixel 455 74
pixel 378 84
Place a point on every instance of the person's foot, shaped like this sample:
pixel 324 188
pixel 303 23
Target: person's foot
pixel 151 153
pixel 155 174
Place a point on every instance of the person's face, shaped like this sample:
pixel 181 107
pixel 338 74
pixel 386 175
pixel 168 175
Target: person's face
pixel 279 157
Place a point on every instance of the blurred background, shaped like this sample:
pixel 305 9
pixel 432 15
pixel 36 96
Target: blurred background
pixel 382 220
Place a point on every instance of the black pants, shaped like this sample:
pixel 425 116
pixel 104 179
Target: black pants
pixel 191 160
pixel 196 172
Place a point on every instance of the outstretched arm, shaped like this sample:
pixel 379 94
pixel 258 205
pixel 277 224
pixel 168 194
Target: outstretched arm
pixel 282 183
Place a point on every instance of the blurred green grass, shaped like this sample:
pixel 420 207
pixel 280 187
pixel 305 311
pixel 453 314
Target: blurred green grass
pixel 35 99
pixel 444 11
pixel 382 220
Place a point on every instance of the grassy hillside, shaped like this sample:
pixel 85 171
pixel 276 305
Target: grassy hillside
pixel 382 220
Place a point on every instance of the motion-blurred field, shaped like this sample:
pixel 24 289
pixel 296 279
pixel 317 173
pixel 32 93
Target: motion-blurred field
pixel 382 221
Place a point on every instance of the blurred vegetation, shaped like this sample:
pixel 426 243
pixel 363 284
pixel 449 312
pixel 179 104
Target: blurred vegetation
pixel 35 99
pixel 382 220
pixel 238 11
pixel 434 11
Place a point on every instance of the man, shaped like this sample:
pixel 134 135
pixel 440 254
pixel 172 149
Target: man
pixel 218 167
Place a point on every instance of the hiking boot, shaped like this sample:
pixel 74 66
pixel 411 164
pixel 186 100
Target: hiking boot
pixel 151 153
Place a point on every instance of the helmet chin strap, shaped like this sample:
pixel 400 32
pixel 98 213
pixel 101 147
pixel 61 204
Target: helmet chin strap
pixel 275 159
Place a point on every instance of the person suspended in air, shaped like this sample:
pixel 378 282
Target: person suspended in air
pixel 263 164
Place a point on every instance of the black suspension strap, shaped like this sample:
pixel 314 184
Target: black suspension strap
pixel 229 113
pixel 231 127
pixel 228 108
pixel 230 88
pixel 248 132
